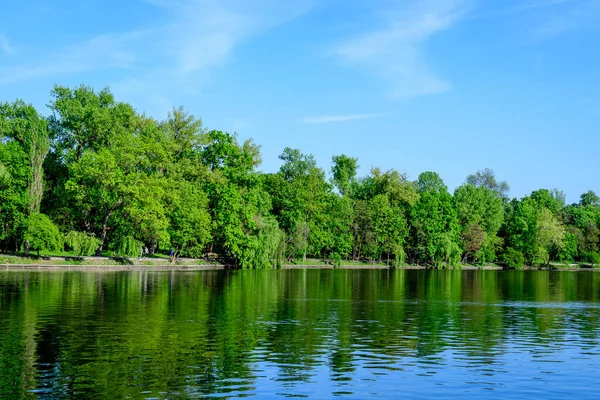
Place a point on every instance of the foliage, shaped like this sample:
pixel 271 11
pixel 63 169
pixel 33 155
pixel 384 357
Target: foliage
pixel 22 123
pixel 513 258
pixel 127 246
pixel 592 257
pixel 336 259
pixel 344 172
pixel 486 178
pixel 265 250
pixel 434 222
pixel 568 249
pixel 399 256
pixel 589 198
pixel 189 219
pixel 83 244
pixel 41 234
pixel 107 174
pixel 550 235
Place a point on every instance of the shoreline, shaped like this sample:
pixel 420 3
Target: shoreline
pixel 208 267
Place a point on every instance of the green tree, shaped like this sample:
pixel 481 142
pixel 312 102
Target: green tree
pixel 550 236
pixel 344 172
pixel 487 178
pixel 83 119
pixel 41 234
pixel 589 198
pixel 434 221
pixel 513 258
pixel 14 198
pixel 389 225
pixel 300 197
pixel 189 219
pixel 521 229
pixel 22 123
pixel 83 244
pixel 237 201
pixel 480 214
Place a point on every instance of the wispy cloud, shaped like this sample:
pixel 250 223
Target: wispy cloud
pixel 548 18
pixel 98 53
pixel 395 52
pixel 523 7
pixel 205 32
pixel 339 118
pixel 197 35
pixel 572 16
pixel 5 46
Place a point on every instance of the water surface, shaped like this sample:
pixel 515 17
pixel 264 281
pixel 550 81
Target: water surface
pixel 300 333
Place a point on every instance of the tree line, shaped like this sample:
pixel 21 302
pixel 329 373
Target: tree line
pixel 97 177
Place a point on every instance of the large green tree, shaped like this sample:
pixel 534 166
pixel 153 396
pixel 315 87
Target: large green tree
pixel 434 223
pixel 480 214
pixel 22 123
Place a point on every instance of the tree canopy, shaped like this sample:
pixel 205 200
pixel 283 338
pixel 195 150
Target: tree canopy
pixel 97 176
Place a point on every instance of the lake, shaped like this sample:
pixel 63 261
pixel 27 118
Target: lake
pixel 300 333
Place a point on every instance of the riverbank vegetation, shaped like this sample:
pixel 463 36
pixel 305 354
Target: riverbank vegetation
pixel 96 176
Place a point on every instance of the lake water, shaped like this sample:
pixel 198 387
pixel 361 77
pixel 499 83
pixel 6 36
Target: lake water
pixel 300 333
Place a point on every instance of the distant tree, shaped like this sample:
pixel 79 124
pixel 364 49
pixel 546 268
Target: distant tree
pixel 487 178
pixel 344 171
pixel 430 182
pixel 186 133
pixel 480 214
pixel 589 198
pixel 549 237
pixel 546 198
pixel 434 222
pixel 521 228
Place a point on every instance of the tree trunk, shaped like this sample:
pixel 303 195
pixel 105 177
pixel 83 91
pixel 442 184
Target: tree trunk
pixel 152 248
pixel 103 235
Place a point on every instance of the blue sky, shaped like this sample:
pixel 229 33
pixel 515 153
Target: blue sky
pixel 451 86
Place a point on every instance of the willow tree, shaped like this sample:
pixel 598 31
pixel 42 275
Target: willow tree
pixel 22 123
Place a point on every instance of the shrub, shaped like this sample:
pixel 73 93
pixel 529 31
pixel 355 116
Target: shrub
pixel 42 234
pixel 126 247
pixel 82 243
pixel 399 256
pixel 336 259
pixel 513 258
pixel 591 257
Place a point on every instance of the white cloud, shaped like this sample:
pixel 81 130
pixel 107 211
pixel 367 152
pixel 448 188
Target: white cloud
pixel 338 118
pixel 197 35
pixel 394 53
pixel 98 53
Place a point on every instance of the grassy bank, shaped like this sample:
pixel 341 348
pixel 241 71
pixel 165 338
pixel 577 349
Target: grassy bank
pixel 162 262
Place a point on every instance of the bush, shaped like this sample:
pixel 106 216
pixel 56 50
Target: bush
pixel 41 234
pixel 126 247
pixel 514 258
pixel 336 260
pixel 448 253
pixel 399 256
pixel 591 257
pixel 82 243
